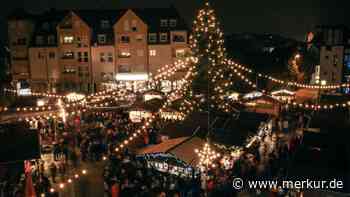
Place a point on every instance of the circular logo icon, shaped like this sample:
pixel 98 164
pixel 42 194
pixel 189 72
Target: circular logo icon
pixel 237 183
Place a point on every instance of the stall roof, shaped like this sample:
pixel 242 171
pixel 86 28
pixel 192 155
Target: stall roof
pixel 227 130
pixel 182 148
pixel 162 147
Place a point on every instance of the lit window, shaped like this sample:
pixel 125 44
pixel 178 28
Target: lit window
pixel 68 55
pixel 152 37
pixel 124 53
pixel 163 37
pixel 172 23
pixel 180 53
pixel 101 38
pixel 68 39
pixel 152 52
pixel 164 23
pixel 69 69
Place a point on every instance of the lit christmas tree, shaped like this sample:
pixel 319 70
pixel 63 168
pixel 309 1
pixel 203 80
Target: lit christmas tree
pixel 207 44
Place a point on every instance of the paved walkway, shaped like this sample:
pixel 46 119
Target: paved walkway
pixel 90 185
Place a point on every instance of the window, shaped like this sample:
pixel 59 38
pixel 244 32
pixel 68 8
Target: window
pixel 52 55
pixel 80 59
pixel 178 38
pixel 126 25
pixel 78 42
pixel 21 41
pixel 152 52
pixel 335 60
pixel 134 25
pixel 86 56
pixel 163 37
pixel 164 23
pixel 333 77
pixel 110 57
pixel 68 55
pixel 46 26
pixel 41 55
pixel 68 39
pixel 105 24
pixel 51 39
pixel 69 70
pixel 124 39
pixel 140 52
pixel 101 38
pixel 124 53
pixel 102 57
pixel 39 40
pixel 124 68
pixel 152 37
pixel 139 38
pixel 180 53
pixel 173 23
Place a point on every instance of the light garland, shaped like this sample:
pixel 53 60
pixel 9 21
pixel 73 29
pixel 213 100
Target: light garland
pixel 289 83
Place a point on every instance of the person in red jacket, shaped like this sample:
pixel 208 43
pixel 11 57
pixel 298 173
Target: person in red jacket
pixel 115 189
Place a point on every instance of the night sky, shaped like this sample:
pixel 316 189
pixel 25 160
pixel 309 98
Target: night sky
pixel 288 18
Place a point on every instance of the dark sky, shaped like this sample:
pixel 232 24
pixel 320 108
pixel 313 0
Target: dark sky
pixel 288 18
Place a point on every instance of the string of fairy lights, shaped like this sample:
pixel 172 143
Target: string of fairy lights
pixel 221 74
pixel 288 83
pixel 170 98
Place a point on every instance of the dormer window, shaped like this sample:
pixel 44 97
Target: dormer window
pixel 163 37
pixel 105 24
pixel 46 26
pixel 164 23
pixel 152 37
pixel 39 40
pixel 102 38
pixel 51 39
pixel 173 23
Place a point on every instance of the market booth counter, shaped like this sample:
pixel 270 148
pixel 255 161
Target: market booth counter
pixel 175 156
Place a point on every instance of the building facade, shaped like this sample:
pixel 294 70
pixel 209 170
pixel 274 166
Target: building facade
pixel 81 50
pixel 333 43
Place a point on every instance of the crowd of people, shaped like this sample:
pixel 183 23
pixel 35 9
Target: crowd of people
pixel 124 175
